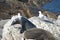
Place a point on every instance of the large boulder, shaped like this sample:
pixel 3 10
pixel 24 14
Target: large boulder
pixel 12 32
pixel 48 25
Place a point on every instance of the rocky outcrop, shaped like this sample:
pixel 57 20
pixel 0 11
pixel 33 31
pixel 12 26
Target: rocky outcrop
pixel 13 32
pixel 48 25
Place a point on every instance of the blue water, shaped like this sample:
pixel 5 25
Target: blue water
pixel 53 6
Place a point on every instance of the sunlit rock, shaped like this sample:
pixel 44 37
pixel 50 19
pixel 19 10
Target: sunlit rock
pixel 46 25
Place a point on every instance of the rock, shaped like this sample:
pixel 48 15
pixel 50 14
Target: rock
pixel 2 22
pixel 12 32
pixel 46 25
